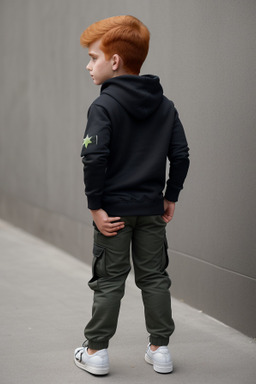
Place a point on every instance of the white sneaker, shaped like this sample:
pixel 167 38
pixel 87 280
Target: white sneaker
pixel 97 364
pixel 160 359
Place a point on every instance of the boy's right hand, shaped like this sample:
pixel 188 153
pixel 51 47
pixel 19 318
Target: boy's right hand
pixel 108 226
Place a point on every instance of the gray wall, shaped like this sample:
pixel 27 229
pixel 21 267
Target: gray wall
pixel 204 52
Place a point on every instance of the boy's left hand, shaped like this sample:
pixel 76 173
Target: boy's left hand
pixel 108 226
pixel 169 208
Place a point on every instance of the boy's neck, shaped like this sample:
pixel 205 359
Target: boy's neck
pixel 122 72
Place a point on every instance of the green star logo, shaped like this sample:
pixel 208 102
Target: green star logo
pixel 87 141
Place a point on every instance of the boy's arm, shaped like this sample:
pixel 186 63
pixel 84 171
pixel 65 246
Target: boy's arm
pixel 95 153
pixel 179 161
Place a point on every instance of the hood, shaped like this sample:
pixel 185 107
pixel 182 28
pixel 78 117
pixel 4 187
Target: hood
pixel 139 95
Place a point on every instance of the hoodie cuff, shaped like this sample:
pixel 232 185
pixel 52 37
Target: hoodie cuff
pixel 172 194
pixel 94 202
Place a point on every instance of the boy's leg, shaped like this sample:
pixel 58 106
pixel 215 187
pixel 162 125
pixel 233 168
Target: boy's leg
pixel 150 261
pixel 111 265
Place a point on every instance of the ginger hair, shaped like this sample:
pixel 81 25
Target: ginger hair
pixel 124 35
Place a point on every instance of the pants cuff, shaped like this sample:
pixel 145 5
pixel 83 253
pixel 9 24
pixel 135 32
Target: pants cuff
pixel 158 341
pixel 97 344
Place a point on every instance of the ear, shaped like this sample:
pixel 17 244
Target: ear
pixel 116 62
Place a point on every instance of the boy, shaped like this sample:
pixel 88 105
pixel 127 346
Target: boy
pixel 131 130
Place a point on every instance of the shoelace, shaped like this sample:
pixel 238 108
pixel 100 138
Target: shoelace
pixel 80 352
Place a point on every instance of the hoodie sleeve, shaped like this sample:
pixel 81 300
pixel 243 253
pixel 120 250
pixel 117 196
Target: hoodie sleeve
pixel 95 152
pixel 179 160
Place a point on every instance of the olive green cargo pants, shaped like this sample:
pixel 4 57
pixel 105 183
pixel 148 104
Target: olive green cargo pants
pixel 111 266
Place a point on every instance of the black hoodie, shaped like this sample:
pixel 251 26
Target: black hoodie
pixel 132 129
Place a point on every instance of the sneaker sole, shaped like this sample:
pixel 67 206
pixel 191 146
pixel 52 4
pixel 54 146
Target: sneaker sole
pixel 100 371
pixel 159 368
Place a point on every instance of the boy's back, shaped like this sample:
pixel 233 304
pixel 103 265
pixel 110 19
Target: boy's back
pixel 135 128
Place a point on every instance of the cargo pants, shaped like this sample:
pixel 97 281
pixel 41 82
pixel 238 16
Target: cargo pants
pixel 146 236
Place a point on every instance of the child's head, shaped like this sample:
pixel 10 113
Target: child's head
pixel 123 35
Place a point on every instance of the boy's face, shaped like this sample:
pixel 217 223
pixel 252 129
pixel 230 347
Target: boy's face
pixel 100 69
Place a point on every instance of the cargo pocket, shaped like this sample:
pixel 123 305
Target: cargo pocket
pixel 165 256
pixel 98 265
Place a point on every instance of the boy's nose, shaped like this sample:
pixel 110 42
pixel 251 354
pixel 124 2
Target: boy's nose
pixel 88 67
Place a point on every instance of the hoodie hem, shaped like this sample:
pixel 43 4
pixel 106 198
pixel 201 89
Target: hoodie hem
pixel 149 208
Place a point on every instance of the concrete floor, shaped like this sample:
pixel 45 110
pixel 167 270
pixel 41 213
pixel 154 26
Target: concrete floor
pixel 45 303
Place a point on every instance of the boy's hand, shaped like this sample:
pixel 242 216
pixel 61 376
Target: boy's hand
pixel 108 226
pixel 169 208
